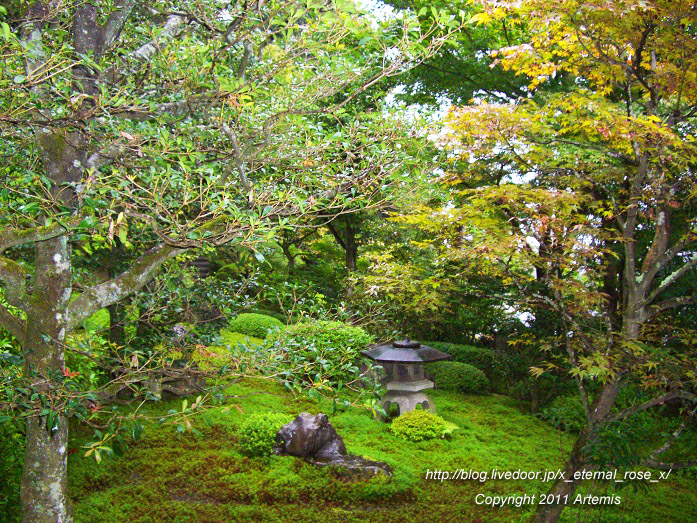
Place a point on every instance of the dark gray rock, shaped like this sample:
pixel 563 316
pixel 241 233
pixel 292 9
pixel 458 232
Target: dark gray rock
pixel 313 438
pixel 309 436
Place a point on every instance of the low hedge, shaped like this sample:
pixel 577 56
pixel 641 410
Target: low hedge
pixel 460 377
pixel 483 359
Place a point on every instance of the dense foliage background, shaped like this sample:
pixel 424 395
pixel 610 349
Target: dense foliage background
pixel 203 200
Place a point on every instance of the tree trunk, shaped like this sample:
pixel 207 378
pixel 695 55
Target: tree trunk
pixel 561 489
pixel 44 476
pixel 351 247
pixel 346 238
pixel 116 324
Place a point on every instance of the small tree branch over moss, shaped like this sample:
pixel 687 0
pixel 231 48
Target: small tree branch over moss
pixel 138 274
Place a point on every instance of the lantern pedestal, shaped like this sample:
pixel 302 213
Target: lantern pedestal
pixel 407 401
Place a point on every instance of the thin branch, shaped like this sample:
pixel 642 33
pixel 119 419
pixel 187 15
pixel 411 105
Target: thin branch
pixel 126 283
pixel 665 305
pixel 673 437
pixel 246 58
pixel 652 403
pixel 336 235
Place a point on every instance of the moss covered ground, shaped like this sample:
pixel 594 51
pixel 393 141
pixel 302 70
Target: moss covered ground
pixel 172 477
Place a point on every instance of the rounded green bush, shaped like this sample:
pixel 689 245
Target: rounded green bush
pixel 419 425
pixel 329 350
pixel 266 312
pixel 255 325
pixel 460 377
pixel 258 433
pixel 483 359
pixel 328 335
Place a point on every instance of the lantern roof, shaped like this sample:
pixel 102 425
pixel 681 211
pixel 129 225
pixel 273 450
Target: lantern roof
pixel 405 351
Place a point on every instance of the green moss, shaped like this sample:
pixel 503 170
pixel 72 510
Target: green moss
pixel 205 479
pixel 226 351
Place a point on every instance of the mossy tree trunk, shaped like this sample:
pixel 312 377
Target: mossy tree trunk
pixel 50 316
pixel 43 487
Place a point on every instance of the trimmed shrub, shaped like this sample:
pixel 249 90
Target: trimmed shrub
pixel 460 377
pixel 420 425
pixel 258 433
pixel 255 325
pixel 328 335
pixel 483 359
pixel 325 352
pixel 566 413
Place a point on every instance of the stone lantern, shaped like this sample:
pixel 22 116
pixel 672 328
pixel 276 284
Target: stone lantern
pixel 405 379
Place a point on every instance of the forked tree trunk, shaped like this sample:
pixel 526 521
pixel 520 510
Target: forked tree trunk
pixel 43 486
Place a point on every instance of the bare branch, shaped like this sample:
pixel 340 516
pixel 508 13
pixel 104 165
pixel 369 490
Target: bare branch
pixel 336 235
pixel 673 437
pixel 651 271
pixel 672 278
pixel 246 58
pixel 172 28
pixel 665 305
pixel 650 462
pixel 239 159
pixel 99 158
pixel 116 21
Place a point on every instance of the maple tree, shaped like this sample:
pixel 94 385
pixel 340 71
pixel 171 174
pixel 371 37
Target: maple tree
pixel 583 203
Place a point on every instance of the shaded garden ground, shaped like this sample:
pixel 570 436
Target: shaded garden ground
pixel 170 477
